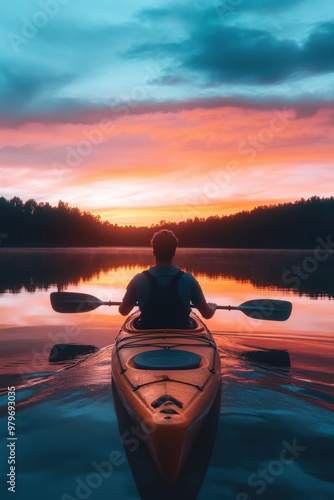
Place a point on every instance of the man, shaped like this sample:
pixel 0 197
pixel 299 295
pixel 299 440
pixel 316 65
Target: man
pixel 164 292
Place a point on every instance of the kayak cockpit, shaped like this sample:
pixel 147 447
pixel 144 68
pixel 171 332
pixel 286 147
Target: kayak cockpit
pixel 133 325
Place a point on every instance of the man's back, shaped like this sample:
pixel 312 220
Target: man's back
pixel 164 294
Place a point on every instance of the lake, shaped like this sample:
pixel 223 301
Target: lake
pixel 271 434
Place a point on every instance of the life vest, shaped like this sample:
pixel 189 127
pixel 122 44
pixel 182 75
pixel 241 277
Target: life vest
pixel 164 307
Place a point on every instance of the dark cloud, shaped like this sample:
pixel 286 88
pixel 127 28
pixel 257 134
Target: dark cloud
pixel 223 53
pixel 24 84
pixel 260 6
pixel 77 111
pixel 318 51
pixel 241 55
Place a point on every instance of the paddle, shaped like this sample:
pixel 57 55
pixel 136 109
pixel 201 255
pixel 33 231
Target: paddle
pixel 267 309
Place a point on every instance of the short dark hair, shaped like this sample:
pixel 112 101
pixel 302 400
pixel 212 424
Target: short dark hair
pixel 164 244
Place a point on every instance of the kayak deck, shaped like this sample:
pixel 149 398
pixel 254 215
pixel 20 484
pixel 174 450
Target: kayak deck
pixel 167 381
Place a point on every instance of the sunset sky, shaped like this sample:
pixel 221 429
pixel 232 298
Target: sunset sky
pixel 147 110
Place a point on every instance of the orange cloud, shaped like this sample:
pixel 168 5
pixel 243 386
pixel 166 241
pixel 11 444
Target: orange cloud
pixel 147 167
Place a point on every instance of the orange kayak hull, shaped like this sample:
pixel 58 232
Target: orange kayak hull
pixel 167 380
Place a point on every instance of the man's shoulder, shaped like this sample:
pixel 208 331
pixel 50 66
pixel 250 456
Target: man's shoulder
pixel 187 277
pixel 137 280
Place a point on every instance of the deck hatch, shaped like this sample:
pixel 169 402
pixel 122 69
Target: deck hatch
pixel 167 359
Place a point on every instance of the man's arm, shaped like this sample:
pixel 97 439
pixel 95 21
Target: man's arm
pixel 128 303
pixel 135 292
pixel 207 309
pixel 130 298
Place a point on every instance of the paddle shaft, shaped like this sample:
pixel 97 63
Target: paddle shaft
pixel 97 302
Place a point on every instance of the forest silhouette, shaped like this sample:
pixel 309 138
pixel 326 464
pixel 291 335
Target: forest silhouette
pixel 294 225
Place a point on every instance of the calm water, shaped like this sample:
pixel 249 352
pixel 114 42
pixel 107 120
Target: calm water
pixel 271 434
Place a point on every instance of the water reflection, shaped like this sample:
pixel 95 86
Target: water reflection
pixel 299 271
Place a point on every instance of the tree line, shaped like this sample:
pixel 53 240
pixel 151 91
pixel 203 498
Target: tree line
pixel 286 225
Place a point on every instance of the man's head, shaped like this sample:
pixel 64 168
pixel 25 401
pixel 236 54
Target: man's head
pixel 164 244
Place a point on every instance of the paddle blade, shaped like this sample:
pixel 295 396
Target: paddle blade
pixel 267 309
pixel 71 302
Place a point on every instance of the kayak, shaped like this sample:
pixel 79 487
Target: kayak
pixel 167 381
